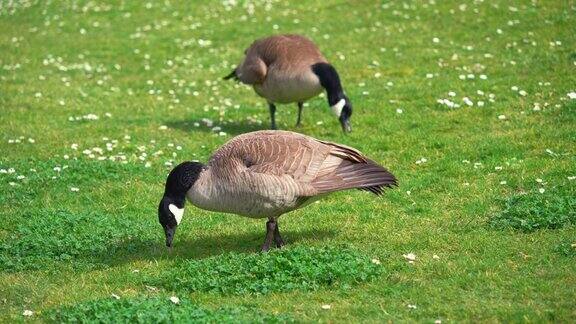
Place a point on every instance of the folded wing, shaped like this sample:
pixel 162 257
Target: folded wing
pixel 317 167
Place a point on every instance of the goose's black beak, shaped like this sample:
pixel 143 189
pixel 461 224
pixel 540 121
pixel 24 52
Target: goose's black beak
pixel 169 231
pixel 346 127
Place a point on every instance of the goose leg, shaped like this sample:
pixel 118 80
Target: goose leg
pixel 272 115
pixel 277 238
pixel 270 228
pixel 300 107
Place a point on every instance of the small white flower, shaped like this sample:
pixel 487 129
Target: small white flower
pixel 27 312
pixel 175 300
pixel 503 182
pixel 435 257
pixel 572 95
pixel 422 160
pixel 436 40
pixel 208 122
pixel 411 257
pixel 411 306
pixel 115 296
pixel 326 306
pixel 399 111
pixel 514 88
pixel 163 127
pixel 571 178
pixel 375 261
pixel 539 180
pixel 522 93
pixel 74 189
pixel 541 190
pixel 502 117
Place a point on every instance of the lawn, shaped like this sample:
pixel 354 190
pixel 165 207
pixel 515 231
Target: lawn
pixel 471 104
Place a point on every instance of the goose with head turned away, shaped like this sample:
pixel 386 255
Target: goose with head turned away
pixel 290 68
pixel 266 174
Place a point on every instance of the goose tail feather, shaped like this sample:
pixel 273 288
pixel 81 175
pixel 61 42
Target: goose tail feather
pixel 231 75
pixel 366 176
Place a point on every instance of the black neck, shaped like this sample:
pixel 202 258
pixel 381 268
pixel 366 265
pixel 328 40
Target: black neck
pixel 181 179
pixel 330 80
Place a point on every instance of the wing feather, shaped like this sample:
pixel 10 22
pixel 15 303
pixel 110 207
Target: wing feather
pixel 316 167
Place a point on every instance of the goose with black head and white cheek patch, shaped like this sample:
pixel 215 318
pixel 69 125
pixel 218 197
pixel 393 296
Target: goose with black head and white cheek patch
pixel 266 174
pixel 290 68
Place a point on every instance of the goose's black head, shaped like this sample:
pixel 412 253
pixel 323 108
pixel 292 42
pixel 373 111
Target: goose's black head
pixel 343 109
pixel 338 101
pixel 171 208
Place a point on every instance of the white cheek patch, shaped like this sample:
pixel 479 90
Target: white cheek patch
pixel 178 212
pixel 337 108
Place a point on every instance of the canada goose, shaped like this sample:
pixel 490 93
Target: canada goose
pixel 290 68
pixel 265 174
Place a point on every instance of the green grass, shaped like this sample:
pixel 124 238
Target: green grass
pixel 538 209
pixel 157 310
pixel 104 96
pixel 299 268
pixel 84 240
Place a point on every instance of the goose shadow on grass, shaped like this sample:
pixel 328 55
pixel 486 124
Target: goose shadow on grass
pixel 200 247
pixel 233 128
